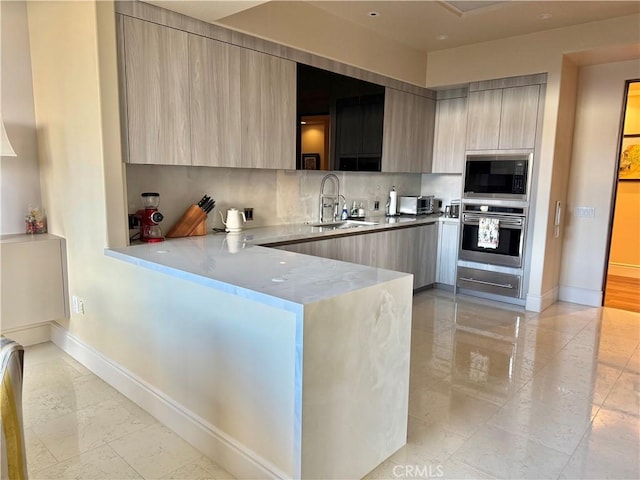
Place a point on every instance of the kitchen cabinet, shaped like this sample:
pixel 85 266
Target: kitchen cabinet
pixel 409 120
pixel 503 118
pixel 33 280
pixel 447 252
pixel 156 64
pixel 359 127
pixel 268 110
pixel 190 100
pixel 409 250
pixel 214 101
pixel 450 135
pixel 518 117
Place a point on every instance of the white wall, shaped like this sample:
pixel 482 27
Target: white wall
pixel 598 118
pixel 19 176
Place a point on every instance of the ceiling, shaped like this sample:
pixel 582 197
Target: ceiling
pixel 430 25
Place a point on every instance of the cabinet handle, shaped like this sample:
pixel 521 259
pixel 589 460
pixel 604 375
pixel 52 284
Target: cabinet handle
pixel 508 285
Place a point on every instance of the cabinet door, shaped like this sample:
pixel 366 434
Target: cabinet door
pixel 215 102
pixel 157 93
pixel 450 135
pixel 447 253
pixel 518 118
pixel 426 246
pixel 408 132
pixel 268 111
pixel 372 107
pixel 483 121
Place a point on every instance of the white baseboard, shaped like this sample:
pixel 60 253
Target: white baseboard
pixel 538 303
pixel 30 335
pixel 215 444
pixel 582 296
pixel 624 270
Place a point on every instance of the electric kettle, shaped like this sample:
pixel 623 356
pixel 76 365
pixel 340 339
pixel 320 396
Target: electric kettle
pixel 235 219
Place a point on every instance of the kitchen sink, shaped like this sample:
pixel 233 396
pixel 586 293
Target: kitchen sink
pixel 343 224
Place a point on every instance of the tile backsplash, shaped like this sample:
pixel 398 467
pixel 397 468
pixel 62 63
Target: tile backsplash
pixel 276 196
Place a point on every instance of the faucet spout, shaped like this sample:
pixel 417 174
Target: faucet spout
pixel 334 198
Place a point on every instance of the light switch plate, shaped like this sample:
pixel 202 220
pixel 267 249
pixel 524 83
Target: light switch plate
pixel 586 212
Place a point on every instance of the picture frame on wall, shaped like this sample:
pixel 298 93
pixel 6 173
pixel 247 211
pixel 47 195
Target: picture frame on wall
pixel 629 168
pixel 311 161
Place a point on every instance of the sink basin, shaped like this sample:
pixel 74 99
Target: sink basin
pixel 344 224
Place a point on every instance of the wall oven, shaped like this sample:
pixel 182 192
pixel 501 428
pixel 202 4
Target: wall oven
pixel 506 247
pixel 497 176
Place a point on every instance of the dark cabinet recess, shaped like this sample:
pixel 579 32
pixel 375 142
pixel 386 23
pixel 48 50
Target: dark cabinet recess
pixel 340 119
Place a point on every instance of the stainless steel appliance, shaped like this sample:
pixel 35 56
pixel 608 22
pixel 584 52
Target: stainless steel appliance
pixel 416 205
pixel 509 249
pixel 497 176
pixel 453 209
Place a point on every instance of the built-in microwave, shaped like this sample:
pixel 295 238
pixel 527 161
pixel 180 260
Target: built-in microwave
pixel 499 176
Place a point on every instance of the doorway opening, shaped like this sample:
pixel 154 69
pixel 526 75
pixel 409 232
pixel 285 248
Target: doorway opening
pixel 622 280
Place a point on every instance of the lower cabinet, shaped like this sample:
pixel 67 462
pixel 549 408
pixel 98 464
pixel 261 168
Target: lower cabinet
pixel 33 280
pixel 447 252
pixel 409 250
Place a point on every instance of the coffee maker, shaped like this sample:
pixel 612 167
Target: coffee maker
pixel 150 218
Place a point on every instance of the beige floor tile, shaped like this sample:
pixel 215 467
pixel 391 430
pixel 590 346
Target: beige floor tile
pixel 200 469
pixel 155 450
pixel 101 463
pixel 457 412
pixel 38 456
pixel 387 470
pixel 610 449
pixel 57 399
pixel 81 431
pixel 456 470
pixel 505 455
pixel 625 394
pixel 427 444
pixel 551 417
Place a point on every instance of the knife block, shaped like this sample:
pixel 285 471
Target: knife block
pixel 192 223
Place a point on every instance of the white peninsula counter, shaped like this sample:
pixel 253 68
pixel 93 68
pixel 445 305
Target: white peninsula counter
pixel 307 359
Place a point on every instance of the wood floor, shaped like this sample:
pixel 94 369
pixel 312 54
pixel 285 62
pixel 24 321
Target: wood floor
pixel 623 293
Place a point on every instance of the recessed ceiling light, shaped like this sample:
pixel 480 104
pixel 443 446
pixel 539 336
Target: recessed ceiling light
pixel 303 122
pixel 373 14
pixel 442 36
pixel 544 16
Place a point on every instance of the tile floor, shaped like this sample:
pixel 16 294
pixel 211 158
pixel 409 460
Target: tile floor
pixel 495 393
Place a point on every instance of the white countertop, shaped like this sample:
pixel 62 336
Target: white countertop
pixel 237 263
pixel 27 237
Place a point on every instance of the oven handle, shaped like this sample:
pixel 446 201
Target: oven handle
pixel 503 285
pixel 506 221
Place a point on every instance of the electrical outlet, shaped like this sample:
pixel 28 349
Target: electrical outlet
pixel 77 305
pixel 134 221
pixel 248 214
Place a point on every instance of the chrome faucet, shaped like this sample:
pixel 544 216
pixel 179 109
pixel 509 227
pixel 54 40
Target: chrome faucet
pixel 334 198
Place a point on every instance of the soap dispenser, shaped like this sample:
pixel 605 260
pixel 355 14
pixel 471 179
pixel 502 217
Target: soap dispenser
pixel 345 212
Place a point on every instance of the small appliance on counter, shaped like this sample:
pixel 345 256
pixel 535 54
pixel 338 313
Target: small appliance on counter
pixel 194 221
pixel 150 218
pixel 417 205
pixel 235 220
pixel 453 209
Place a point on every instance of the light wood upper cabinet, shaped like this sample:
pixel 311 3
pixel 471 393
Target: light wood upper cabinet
pixel 215 102
pixel 408 132
pixel 503 118
pixel 268 111
pixel 483 120
pixel 156 63
pixel 450 135
pixel 518 117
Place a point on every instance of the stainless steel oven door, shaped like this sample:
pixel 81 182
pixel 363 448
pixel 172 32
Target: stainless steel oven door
pixel 511 234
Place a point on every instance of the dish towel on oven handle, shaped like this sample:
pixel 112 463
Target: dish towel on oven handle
pixel 488 232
